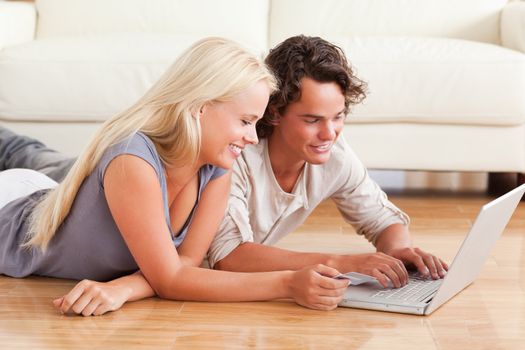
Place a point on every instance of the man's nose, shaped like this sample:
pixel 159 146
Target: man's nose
pixel 327 132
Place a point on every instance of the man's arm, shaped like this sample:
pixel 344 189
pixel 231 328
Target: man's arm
pixel 254 257
pixel 364 205
pixel 233 248
pixel 251 257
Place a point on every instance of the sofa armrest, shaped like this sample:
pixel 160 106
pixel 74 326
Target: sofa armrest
pixel 17 22
pixel 513 26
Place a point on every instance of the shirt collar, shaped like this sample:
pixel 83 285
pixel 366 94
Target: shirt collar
pixel 299 194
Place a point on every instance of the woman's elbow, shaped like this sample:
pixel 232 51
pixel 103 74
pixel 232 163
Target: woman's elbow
pixel 165 288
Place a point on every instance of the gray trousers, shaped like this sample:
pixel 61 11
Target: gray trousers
pixel 18 151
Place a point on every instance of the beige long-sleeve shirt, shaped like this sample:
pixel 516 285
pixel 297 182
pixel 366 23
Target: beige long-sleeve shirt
pixel 260 211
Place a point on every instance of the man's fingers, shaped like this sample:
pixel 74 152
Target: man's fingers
pixel 440 269
pixel 392 275
pixel 444 264
pixel 380 277
pixel 419 263
pixel 429 262
pixel 401 271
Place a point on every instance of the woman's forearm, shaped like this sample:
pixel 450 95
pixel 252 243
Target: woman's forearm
pixel 137 285
pixel 198 284
pixel 312 287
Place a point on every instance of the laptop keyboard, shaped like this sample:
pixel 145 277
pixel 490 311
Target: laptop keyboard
pixel 417 289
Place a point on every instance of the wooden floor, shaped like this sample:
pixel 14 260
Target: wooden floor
pixel 490 314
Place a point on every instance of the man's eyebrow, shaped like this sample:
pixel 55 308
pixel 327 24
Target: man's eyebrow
pixel 310 115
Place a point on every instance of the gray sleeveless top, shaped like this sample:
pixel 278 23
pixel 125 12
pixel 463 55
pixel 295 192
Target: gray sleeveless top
pixel 88 244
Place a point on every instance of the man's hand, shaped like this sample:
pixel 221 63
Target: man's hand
pixel 379 265
pixel 427 264
pixel 395 241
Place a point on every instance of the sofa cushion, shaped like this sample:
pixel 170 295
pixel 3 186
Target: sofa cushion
pixel 420 80
pixel 476 20
pixel 84 78
pixel 436 80
pixel 245 21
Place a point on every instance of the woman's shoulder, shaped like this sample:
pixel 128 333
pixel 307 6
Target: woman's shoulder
pixel 137 144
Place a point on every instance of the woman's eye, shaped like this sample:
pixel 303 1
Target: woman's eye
pixel 245 122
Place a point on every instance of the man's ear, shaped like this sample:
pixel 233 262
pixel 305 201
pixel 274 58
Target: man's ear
pixel 276 116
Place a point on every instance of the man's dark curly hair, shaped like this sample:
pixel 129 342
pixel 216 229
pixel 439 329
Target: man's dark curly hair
pixel 304 56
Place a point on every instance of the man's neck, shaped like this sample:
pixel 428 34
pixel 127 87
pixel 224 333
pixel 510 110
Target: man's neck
pixel 285 168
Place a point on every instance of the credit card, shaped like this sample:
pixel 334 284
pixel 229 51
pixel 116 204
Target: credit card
pixel 356 278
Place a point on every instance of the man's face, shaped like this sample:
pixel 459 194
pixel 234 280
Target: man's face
pixel 310 126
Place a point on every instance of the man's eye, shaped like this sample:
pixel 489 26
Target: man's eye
pixel 311 121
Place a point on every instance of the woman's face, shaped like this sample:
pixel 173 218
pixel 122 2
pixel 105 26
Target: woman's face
pixel 310 126
pixel 227 127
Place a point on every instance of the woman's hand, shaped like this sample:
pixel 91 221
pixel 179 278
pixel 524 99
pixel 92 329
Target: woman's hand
pixel 314 287
pixel 92 298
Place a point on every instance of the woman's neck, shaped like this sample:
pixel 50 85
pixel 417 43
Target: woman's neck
pixel 179 176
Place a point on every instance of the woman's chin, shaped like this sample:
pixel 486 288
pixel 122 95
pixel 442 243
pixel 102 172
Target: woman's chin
pixel 223 163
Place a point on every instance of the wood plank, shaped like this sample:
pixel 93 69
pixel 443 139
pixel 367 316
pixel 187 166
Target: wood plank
pixel 488 314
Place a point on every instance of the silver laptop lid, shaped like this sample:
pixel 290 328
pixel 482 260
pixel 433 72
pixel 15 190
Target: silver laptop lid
pixel 489 224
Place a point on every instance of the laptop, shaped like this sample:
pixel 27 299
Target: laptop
pixel 423 296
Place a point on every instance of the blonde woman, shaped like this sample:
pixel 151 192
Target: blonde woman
pixel 150 191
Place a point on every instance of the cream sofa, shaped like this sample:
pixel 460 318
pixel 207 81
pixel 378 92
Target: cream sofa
pixel 446 77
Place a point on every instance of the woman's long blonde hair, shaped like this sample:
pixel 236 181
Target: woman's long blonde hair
pixel 213 69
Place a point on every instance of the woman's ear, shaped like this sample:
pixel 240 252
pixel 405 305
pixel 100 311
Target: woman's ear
pixel 198 112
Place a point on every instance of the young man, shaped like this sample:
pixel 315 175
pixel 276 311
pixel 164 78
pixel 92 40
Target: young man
pixel 299 162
